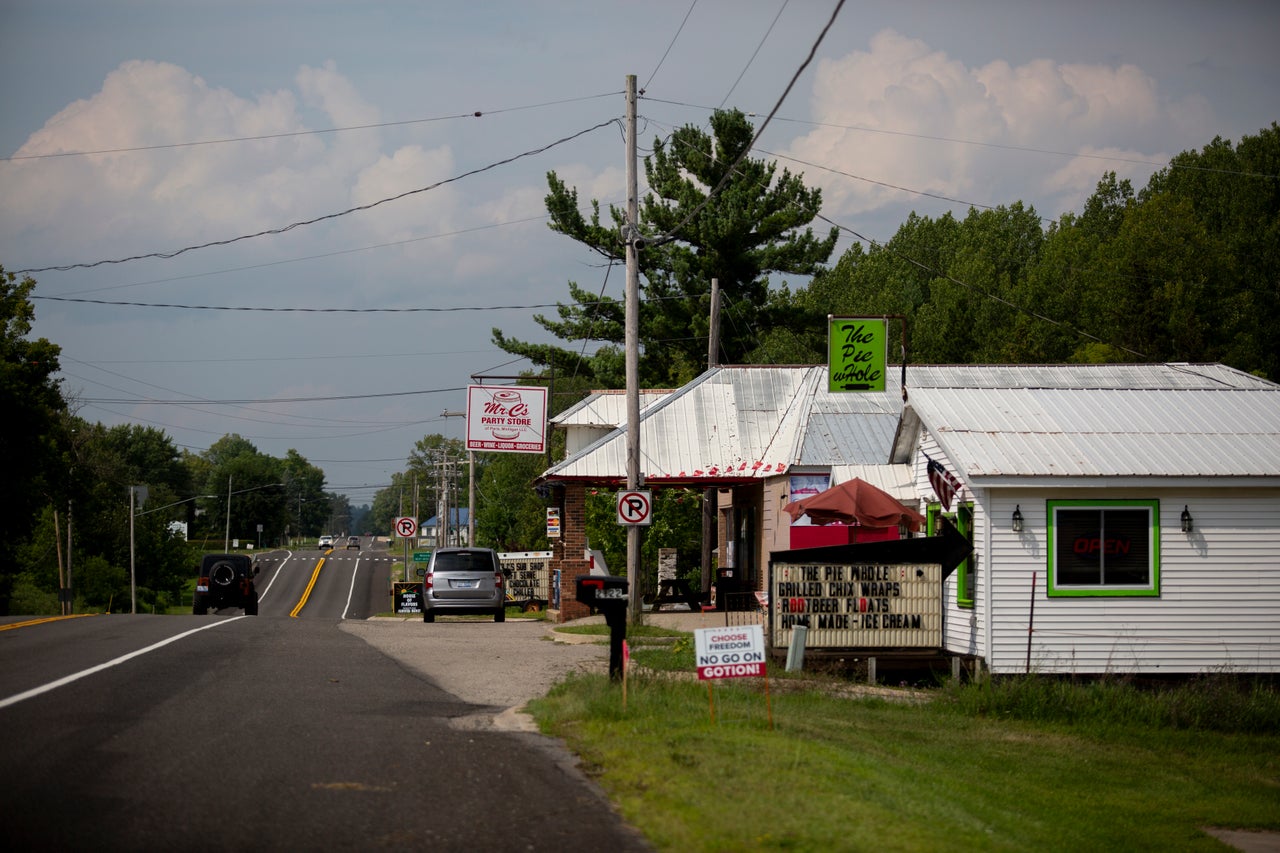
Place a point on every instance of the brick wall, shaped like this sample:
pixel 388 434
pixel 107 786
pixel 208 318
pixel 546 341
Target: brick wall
pixel 569 551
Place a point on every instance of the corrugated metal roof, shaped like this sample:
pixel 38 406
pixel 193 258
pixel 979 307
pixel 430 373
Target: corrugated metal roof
pixel 604 408
pixel 747 421
pixel 1080 376
pixel 1207 422
pixel 991 420
pixel 897 480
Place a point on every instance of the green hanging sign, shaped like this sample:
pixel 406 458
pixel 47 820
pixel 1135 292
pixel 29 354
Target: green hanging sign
pixel 857 353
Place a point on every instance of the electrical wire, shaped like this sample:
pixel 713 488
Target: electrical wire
pixel 754 53
pixel 679 30
pixel 670 235
pixel 326 217
pixel 436 310
pixel 268 401
pixel 289 134
pixel 321 256
pixel 997 145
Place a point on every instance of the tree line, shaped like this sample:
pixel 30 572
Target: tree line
pixel 66 537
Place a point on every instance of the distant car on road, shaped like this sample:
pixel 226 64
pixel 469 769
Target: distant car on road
pixel 226 580
pixel 353 542
pixel 463 580
pixel 326 542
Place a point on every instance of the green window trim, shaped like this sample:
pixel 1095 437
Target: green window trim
pixel 962 518
pixel 1088 536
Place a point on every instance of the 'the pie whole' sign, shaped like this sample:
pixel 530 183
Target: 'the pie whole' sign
pixel 857 353
pixel 507 419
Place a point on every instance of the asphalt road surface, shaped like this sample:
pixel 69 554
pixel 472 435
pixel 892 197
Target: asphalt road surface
pixel 323 730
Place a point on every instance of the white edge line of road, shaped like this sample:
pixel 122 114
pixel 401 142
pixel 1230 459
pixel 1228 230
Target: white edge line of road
pixel 76 676
pixel 276 574
pixel 352 591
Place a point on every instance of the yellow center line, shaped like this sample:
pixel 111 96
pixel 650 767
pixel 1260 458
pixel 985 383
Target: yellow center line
pixel 28 623
pixel 306 593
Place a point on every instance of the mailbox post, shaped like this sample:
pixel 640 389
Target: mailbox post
pixel 608 594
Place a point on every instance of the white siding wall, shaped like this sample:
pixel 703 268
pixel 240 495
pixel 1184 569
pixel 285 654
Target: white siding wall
pixel 1219 603
pixel 963 627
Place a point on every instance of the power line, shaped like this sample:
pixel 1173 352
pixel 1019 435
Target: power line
pixel 289 134
pixel 321 256
pixel 434 310
pixel 670 235
pixel 672 44
pixel 271 400
pixel 754 53
pixel 887 185
pixel 980 144
pixel 292 226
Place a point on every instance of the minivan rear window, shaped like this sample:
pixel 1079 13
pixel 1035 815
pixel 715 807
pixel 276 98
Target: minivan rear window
pixel 463 561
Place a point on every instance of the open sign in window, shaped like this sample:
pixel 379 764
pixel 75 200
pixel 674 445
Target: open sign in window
pixel 1104 548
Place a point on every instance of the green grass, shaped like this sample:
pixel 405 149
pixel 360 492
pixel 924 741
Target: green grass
pixel 966 770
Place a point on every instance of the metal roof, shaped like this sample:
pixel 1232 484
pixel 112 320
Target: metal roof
pixel 992 421
pixel 604 408
pixel 740 422
pixel 1102 421
pixel 897 480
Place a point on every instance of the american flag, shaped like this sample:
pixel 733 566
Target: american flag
pixel 944 485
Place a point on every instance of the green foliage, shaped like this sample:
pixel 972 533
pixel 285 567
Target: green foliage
pixel 677 523
pixel 32 404
pixel 756 223
pixel 509 514
pixel 1217 702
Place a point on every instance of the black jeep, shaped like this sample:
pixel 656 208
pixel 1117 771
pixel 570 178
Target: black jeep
pixel 226 580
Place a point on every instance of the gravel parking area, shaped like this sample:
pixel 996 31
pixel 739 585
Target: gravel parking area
pixel 498 665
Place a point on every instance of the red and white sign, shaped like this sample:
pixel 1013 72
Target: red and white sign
pixel 735 652
pixel 635 508
pixel 407 527
pixel 507 419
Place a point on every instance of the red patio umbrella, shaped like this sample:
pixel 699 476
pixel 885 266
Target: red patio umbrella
pixel 855 502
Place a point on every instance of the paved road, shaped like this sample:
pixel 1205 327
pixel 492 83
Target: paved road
pixel 302 733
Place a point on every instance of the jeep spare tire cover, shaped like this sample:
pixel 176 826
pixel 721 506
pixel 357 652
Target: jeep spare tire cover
pixel 223 573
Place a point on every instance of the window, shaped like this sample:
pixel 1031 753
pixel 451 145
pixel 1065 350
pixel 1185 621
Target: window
pixel 962 518
pixel 1104 548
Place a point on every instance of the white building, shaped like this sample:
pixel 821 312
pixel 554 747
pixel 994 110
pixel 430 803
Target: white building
pixel 1148 498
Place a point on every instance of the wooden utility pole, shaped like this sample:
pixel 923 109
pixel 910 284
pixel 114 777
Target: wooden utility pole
pixel 710 511
pixel 632 340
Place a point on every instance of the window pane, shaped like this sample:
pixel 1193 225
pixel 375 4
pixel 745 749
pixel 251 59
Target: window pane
pixel 1126 557
pixel 1078 546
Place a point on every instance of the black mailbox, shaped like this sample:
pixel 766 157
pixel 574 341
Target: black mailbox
pixel 608 594
pixel 602 591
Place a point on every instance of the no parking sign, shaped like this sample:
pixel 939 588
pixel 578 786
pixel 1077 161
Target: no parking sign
pixel 635 507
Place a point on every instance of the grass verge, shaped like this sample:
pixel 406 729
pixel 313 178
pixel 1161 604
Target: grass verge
pixel 968 769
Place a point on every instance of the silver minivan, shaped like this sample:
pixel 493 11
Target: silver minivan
pixel 463 580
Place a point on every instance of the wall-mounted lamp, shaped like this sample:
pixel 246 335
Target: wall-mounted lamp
pixel 1186 520
pixel 1017 519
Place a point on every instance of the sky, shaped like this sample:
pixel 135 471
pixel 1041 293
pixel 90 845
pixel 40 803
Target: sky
pixel 151 127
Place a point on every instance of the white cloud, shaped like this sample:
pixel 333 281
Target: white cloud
pixel 904 114
pixel 143 201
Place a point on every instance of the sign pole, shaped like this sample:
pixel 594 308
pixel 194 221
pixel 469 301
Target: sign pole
pixel 768 701
pixel 631 327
